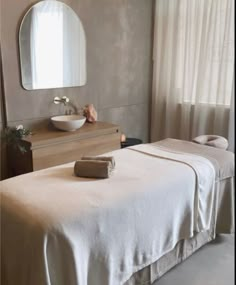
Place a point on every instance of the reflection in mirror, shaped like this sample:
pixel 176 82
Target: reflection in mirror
pixel 52 47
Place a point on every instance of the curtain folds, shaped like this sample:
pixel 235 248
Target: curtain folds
pixel 46 46
pixel 193 74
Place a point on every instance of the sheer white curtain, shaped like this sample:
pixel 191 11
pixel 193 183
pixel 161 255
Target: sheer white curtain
pixel 193 81
pixel 57 46
pixel 47 45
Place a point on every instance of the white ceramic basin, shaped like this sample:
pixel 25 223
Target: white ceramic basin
pixel 68 123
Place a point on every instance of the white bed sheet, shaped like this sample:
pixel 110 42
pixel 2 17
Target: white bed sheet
pixel 70 230
pixel 223 162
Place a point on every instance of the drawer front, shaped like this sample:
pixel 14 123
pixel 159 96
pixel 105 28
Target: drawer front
pixel 61 153
pixel 18 162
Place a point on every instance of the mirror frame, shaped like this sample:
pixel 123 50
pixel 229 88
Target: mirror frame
pixel 21 38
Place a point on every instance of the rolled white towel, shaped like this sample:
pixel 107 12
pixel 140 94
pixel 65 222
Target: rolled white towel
pixel 212 140
pixel 101 158
pixel 93 168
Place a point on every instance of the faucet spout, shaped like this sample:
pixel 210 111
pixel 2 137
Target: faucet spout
pixel 63 100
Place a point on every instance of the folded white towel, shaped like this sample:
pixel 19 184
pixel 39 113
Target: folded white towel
pixel 212 140
pixel 93 168
pixel 101 158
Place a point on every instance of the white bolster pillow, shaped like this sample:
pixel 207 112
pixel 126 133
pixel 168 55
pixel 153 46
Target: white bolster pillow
pixel 212 140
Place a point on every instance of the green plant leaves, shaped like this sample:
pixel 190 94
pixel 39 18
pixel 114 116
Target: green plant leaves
pixel 13 137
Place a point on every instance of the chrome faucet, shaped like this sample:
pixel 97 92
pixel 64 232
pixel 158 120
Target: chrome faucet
pixel 63 100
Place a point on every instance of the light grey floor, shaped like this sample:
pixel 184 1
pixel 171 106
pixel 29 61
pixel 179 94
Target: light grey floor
pixel 213 264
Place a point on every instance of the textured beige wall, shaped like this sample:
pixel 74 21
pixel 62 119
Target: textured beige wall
pixel 119 42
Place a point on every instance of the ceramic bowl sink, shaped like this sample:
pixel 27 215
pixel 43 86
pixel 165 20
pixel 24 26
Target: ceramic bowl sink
pixel 68 123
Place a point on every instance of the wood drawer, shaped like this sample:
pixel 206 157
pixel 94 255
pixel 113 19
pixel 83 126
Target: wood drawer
pixel 48 148
pixel 70 151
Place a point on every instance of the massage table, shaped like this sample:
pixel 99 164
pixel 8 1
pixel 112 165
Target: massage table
pixel 163 202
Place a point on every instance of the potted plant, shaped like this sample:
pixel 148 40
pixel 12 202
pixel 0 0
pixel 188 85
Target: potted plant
pixel 13 137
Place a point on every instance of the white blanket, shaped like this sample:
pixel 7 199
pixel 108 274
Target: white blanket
pixel 58 229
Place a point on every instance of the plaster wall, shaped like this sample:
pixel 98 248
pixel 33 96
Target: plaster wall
pixel 119 66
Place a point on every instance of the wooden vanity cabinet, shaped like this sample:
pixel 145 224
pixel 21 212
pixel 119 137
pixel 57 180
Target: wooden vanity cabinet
pixel 48 148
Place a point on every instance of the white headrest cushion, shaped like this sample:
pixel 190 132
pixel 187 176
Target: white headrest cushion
pixel 212 140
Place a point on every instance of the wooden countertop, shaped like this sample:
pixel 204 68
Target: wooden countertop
pixel 45 136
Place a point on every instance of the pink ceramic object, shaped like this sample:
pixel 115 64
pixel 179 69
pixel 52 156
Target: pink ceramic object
pixel 90 113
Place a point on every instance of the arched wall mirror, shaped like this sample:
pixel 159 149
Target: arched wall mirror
pixel 52 47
